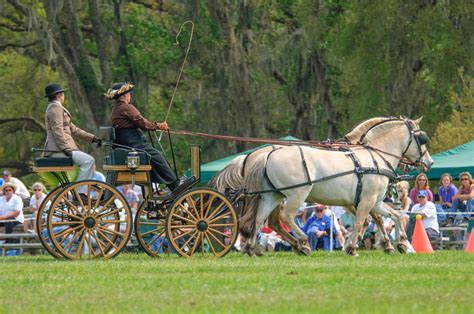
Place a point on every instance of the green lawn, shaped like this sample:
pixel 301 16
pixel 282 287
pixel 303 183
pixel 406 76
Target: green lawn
pixel 280 282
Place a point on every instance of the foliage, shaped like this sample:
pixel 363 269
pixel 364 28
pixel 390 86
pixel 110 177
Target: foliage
pixel 275 283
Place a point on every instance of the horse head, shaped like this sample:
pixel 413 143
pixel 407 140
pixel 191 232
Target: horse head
pixel 416 150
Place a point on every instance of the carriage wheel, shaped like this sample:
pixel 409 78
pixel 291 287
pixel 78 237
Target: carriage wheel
pixel 41 223
pixel 96 224
pixel 150 231
pixel 202 221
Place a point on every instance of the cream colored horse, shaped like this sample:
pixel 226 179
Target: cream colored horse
pixel 233 177
pixel 388 140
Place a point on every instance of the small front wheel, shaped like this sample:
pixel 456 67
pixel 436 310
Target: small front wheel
pixel 202 221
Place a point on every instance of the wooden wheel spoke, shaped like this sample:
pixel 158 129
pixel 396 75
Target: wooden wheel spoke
pixel 196 244
pixel 192 204
pixel 64 231
pixel 208 204
pixel 62 223
pixel 210 244
pixel 113 221
pixel 151 231
pixel 201 203
pixel 78 197
pixel 156 237
pixel 74 238
pixel 150 223
pixel 105 206
pixel 89 200
pixel 89 243
pixel 111 231
pixel 216 210
pixel 71 205
pixel 80 245
pixel 219 232
pixel 184 208
pixel 112 212
pixel 99 243
pixel 189 240
pixel 183 234
pixel 67 214
pixel 182 226
pixel 225 214
pixel 221 225
pixel 107 238
pixel 99 197
pixel 184 218
pixel 217 240
pixel 65 236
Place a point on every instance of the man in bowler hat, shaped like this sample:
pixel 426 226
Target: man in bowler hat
pixel 60 131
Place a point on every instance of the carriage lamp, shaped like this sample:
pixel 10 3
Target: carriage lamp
pixel 133 161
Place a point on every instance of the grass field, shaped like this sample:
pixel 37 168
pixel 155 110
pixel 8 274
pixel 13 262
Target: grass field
pixel 280 282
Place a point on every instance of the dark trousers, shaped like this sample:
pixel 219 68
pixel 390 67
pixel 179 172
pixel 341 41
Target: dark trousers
pixel 161 171
pixel 9 228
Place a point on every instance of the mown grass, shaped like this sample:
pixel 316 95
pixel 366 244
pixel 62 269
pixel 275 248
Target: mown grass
pixel 278 282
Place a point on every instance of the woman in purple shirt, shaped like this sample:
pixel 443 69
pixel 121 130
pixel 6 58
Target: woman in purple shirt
pixel 447 190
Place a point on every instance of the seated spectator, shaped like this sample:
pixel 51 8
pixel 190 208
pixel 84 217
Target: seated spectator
pixel 39 194
pixel 130 196
pixel 21 189
pixel 405 201
pixel 421 183
pixel 427 210
pixel 462 200
pixel 317 228
pixel 446 192
pixel 338 211
pixel 11 208
pixel 138 190
pixel 300 217
pixel 268 239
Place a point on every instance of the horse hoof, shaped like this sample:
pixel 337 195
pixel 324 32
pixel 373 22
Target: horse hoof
pixel 389 249
pixel 305 250
pixel 354 253
pixel 402 248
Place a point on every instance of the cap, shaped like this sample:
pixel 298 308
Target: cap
pixel 7 173
pixel 422 193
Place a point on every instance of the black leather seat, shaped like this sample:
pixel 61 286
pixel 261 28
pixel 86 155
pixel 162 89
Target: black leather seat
pixel 53 162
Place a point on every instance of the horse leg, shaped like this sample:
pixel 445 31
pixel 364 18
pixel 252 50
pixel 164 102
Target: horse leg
pixel 274 223
pixel 383 236
pixel 400 235
pixel 363 210
pixel 301 245
pixel 267 204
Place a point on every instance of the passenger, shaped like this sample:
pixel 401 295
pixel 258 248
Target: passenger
pixel 421 183
pixel 59 133
pixel 129 125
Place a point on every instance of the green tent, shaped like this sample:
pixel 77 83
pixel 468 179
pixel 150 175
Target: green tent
pixel 210 169
pixel 453 161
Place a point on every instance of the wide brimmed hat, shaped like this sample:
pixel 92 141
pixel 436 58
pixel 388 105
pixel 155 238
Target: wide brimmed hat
pixel 52 89
pixel 119 89
pixel 9 184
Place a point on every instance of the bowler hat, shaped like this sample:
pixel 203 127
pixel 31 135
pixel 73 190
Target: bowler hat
pixel 119 89
pixel 52 89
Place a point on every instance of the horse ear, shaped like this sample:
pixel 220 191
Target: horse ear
pixel 419 120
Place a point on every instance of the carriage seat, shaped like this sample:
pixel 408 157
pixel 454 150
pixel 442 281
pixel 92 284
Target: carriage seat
pixel 53 162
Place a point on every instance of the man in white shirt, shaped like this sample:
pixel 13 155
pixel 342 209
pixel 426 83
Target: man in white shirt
pixel 427 210
pixel 21 189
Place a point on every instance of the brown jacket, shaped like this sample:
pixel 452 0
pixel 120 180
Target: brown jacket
pixel 60 129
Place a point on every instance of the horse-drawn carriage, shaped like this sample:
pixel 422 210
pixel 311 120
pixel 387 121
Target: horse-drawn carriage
pixel 92 219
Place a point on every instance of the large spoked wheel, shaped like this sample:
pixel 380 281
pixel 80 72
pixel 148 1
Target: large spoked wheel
pixel 202 221
pixel 150 231
pixel 89 219
pixel 42 226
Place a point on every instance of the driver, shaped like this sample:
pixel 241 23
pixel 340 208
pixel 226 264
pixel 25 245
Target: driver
pixel 129 125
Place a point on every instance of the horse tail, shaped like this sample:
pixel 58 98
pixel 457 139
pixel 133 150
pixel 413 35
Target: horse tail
pixel 230 176
pixel 253 181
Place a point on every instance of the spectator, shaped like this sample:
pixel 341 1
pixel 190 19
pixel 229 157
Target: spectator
pixel 130 196
pixel 21 189
pixel 446 192
pixel 427 210
pixel 39 194
pixel 347 222
pixel 421 183
pixel 138 190
pixel 11 208
pixel 462 200
pixel 317 228
pixel 405 201
pixel 338 211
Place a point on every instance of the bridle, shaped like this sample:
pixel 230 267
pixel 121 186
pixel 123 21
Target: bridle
pixel 421 138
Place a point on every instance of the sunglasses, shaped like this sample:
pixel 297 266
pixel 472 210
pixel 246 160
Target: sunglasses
pixel 8 190
pixel 36 189
pixel 464 179
pixel 421 179
pixel 421 196
pixel 319 210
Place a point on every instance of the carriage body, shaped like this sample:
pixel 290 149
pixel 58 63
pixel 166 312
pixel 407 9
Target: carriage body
pixel 92 219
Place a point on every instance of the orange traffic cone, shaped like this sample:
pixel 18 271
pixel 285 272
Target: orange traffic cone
pixel 470 243
pixel 420 240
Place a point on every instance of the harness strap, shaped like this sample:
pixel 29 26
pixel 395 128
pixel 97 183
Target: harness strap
pixel 265 173
pixel 305 166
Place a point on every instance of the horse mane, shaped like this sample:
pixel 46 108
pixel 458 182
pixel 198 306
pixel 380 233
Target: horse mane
pixel 377 131
pixel 356 135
